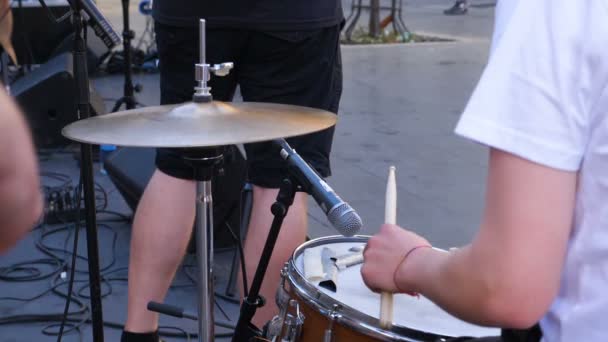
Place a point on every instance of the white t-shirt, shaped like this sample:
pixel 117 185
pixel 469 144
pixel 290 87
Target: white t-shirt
pixel 544 97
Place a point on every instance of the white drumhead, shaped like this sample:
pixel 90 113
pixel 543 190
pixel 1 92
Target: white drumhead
pixel 410 312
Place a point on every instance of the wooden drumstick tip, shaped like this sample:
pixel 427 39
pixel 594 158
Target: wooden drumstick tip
pixel 390 217
pixel 386 310
pixel 390 206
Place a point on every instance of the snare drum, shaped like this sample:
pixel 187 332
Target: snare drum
pixel 351 313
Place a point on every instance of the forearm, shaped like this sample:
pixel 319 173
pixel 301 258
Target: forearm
pixel 20 208
pixel 510 274
pixel 462 285
pixel 20 198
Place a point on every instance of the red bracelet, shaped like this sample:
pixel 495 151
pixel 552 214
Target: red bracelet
pixel 399 266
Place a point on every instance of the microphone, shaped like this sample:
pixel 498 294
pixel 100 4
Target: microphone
pixel 344 218
pixel 99 23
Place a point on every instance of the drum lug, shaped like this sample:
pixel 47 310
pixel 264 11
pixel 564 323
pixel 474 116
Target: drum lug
pixel 284 274
pixel 292 325
pixel 282 296
pixel 287 326
pixel 334 315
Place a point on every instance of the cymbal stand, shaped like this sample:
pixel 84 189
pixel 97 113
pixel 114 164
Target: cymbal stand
pixel 204 161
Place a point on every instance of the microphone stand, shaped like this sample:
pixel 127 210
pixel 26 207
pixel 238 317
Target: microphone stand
pixel 245 330
pixel 86 170
pixel 128 98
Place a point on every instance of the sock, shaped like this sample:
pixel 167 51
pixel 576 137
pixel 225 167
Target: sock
pixel 139 337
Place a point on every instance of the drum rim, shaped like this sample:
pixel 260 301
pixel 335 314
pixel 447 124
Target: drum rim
pixel 348 316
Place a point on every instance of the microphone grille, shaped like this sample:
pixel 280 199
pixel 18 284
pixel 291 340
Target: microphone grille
pixel 345 219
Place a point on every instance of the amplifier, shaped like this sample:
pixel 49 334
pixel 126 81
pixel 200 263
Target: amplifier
pixel 37 38
pixel 47 95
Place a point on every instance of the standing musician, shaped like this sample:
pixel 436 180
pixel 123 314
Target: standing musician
pixel 20 197
pixel 541 253
pixel 284 52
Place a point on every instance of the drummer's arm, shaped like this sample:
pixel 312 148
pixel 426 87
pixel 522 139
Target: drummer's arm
pixel 20 198
pixel 509 275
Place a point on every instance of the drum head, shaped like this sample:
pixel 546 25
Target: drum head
pixel 414 317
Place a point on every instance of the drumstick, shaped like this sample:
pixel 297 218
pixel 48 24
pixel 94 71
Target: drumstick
pixel 390 217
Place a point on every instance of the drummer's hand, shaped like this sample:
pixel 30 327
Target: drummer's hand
pixel 383 255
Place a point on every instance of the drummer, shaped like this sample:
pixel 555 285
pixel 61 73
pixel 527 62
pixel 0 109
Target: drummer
pixel 541 253
pixel 20 197
pixel 284 52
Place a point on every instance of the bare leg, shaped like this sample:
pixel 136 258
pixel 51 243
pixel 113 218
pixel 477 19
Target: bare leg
pixel 293 234
pixel 161 231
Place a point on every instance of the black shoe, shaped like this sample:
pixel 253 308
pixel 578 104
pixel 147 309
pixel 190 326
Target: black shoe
pixel 459 8
pixel 140 337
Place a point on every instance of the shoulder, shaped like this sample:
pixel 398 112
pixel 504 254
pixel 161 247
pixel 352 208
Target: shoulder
pixel 547 70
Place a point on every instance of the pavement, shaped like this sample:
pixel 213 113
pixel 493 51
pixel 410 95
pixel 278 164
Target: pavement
pixel 399 107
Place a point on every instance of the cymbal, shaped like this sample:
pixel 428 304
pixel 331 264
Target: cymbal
pixel 199 124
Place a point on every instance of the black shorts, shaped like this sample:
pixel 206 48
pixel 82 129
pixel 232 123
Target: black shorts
pixel 298 68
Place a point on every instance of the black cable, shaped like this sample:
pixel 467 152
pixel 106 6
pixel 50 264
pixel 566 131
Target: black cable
pixel 50 250
pixel 61 177
pixel 84 315
pixel 16 319
pixel 105 281
pixel 46 154
pixel 73 321
pixel 242 255
pixel 51 15
pixel 73 267
pixel 100 188
pixel 83 308
pixel 121 217
pixel 14 272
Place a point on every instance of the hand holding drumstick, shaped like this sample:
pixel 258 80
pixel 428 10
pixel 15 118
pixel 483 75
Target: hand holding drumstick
pixel 386 252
